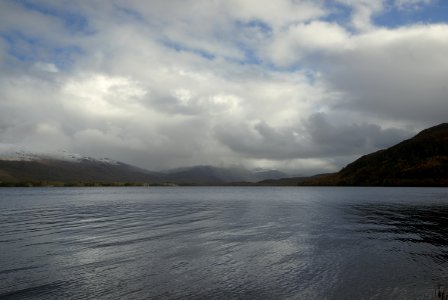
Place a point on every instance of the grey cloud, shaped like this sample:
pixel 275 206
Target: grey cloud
pixel 335 139
pixel 401 78
pixel 174 103
pixel 316 137
pixel 259 141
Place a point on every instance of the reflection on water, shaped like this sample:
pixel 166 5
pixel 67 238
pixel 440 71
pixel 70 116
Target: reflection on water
pixel 215 243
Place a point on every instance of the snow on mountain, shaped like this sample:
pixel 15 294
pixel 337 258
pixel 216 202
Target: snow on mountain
pixel 24 155
pixel 19 155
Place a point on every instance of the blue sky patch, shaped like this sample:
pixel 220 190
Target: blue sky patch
pixel 30 49
pixel 339 13
pixel 394 17
pixel 182 48
pixel 258 24
pixel 130 13
pixel 74 22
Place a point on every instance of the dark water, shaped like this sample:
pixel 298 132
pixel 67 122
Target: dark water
pixel 223 243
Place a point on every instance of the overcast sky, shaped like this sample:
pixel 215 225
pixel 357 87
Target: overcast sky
pixel 289 84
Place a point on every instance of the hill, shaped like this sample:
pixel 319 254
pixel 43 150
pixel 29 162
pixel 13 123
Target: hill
pixel 45 170
pixel 209 175
pixel 419 161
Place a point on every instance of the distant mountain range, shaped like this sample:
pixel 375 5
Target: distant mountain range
pixel 419 161
pixel 23 168
pixel 208 175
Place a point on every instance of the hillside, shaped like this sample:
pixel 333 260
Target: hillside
pixel 52 170
pixel 419 161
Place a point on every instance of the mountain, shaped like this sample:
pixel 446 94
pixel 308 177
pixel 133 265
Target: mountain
pixel 206 175
pixel 289 181
pixel 46 169
pixel 209 175
pixel 262 174
pixel 419 161
pixel 26 168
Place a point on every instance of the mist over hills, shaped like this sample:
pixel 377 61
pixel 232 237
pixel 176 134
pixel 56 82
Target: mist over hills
pixel 209 175
pixel 419 161
pixel 74 169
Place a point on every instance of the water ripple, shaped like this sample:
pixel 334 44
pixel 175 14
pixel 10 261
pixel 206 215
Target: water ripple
pixel 215 243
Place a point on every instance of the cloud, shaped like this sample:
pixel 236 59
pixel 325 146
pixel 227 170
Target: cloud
pixel 101 95
pixel 319 136
pixel 298 41
pixel 46 67
pixel 395 74
pixel 276 14
pixel 286 84
pixel 363 11
pixel 341 138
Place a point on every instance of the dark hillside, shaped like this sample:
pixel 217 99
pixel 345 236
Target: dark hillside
pixel 419 161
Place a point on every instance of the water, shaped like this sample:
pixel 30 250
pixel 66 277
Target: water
pixel 223 243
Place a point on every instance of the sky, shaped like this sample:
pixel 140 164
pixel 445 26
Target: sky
pixel 295 85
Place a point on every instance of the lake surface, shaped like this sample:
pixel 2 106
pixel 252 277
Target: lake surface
pixel 223 243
